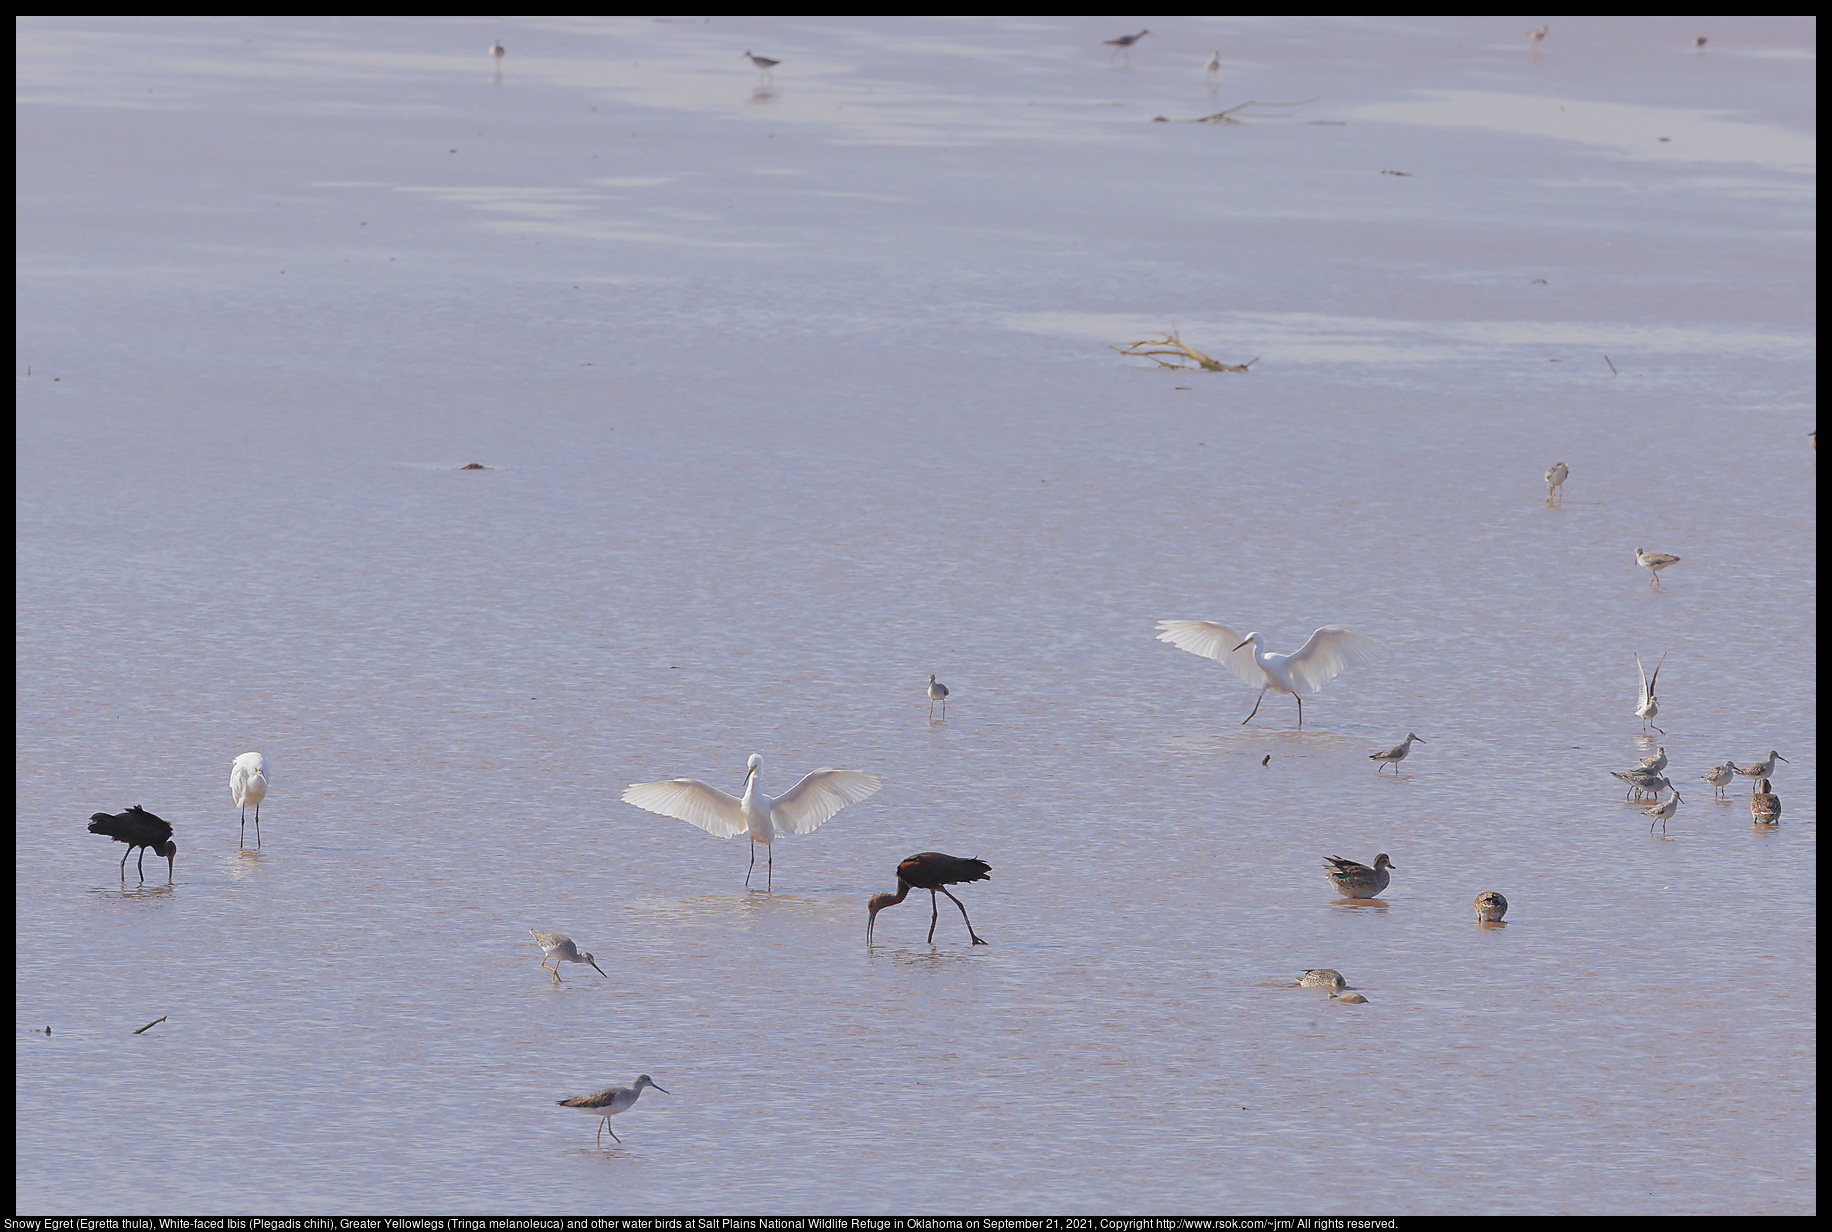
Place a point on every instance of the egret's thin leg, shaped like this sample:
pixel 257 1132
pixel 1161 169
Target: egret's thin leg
pixel 244 841
pixel 257 825
pixel 770 866
pixel 1300 710
pixel 934 914
pixel 1255 710
pixel 977 939
pixel 753 867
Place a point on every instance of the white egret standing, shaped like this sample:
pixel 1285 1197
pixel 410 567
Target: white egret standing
pixel 248 786
pixel 1327 652
pixel 1556 474
pixel 1646 704
pixel 800 810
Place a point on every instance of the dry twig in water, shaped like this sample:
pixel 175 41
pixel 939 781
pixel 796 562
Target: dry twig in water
pixel 1228 116
pixel 1172 344
pixel 149 1026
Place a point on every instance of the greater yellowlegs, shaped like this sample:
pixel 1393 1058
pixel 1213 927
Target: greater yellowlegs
pixel 1395 755
pixel 1764 769
pixel 138 828
pixel 1124 43
pixel 764 65
pixel 248 787
pixel 1647 706
pixel 1490 907
pixel 1320 977
pixel 1354 880
pixel 800 810
pixel 938 692
pixel 560 948
pixel 1642 782
pixel 1656 761
pixel 1663 813
pixel 611 1101
pixel 1765 806
pixel 1720 776
pixel 1555 477
pixel 1654 562
pixel 1306 670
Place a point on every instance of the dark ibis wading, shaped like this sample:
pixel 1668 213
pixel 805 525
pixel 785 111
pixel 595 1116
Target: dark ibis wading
pixel 931 871
pixel 138 828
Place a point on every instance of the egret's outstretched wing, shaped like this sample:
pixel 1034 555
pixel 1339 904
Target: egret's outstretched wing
pixel 1213 641
pixel 1641 694
pixel 692 801
pixel 819 796
pixel 1326 653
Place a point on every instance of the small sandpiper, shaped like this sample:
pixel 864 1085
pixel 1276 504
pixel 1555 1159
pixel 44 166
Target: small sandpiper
pixel 1654 562
pixel 1395 755
pixel 764 65
pixel 1555 478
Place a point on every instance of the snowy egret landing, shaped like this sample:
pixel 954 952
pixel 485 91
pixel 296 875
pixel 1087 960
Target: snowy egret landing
pixel 1654 562
pixel 248 786
pixel 1647 706
pixel 1490 907
pixel 1720 776
pixel 611 1101
pixel 764 65
pixel 1556 475
pixel 560 948
pixel 138 828
pixel 931 871
pixel 1763 769
pixel 1663 813
pixel 1354 880
pixel 800 810
pixel 938 692
pixel 1395 755
pixel 1327 652
pixel 1765 806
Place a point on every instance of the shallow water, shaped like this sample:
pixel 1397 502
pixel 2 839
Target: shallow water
pixel 794 396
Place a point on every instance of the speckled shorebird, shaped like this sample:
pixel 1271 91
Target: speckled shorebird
pixel 1720 776
pixel 1491 905
pixel 1395 755
pixel 1358 880
pixel 609 1102
pixel 938 692
pixel 1320 977
pixel 1643 782
pixel 1656 761
pixel 560 948
pixel 1764 769
pixel 1765 806
pixel 764 65
pixel 1555 476
pixel 1647 706
pixel 1348 998
pixel 1654 562
pixel 1663 813
pixel 1537 35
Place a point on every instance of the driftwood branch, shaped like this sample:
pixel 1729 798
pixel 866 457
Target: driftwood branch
pixel 1173 344
pixel 1229 116
pixel 149 1026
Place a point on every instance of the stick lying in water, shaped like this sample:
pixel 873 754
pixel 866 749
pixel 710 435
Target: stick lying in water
pixel 149 1026
pixel 1172 344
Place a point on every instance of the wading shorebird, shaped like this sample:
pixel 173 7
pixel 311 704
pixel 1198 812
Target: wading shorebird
pixel 1647 706
pixel 1764 769
pixel 559 948
pixel 1353 880
pixel 1765 806
pixel 138 828
pixel 764 66
pixel 1654 562
pixel 1555 478
pixel 1307 670
pixel 1655 762
pixel 1214 63
pixel 1490 907
pixel 496 51
pixel 931 871
pixel 1663 813
pixel 799 810
pixel 1536 36
pixel 938 692
pixel 1720 776
pixel 248 787
pixel 610 1102
pixel 1395 755
pixel 1124 43
pixel 1642 782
